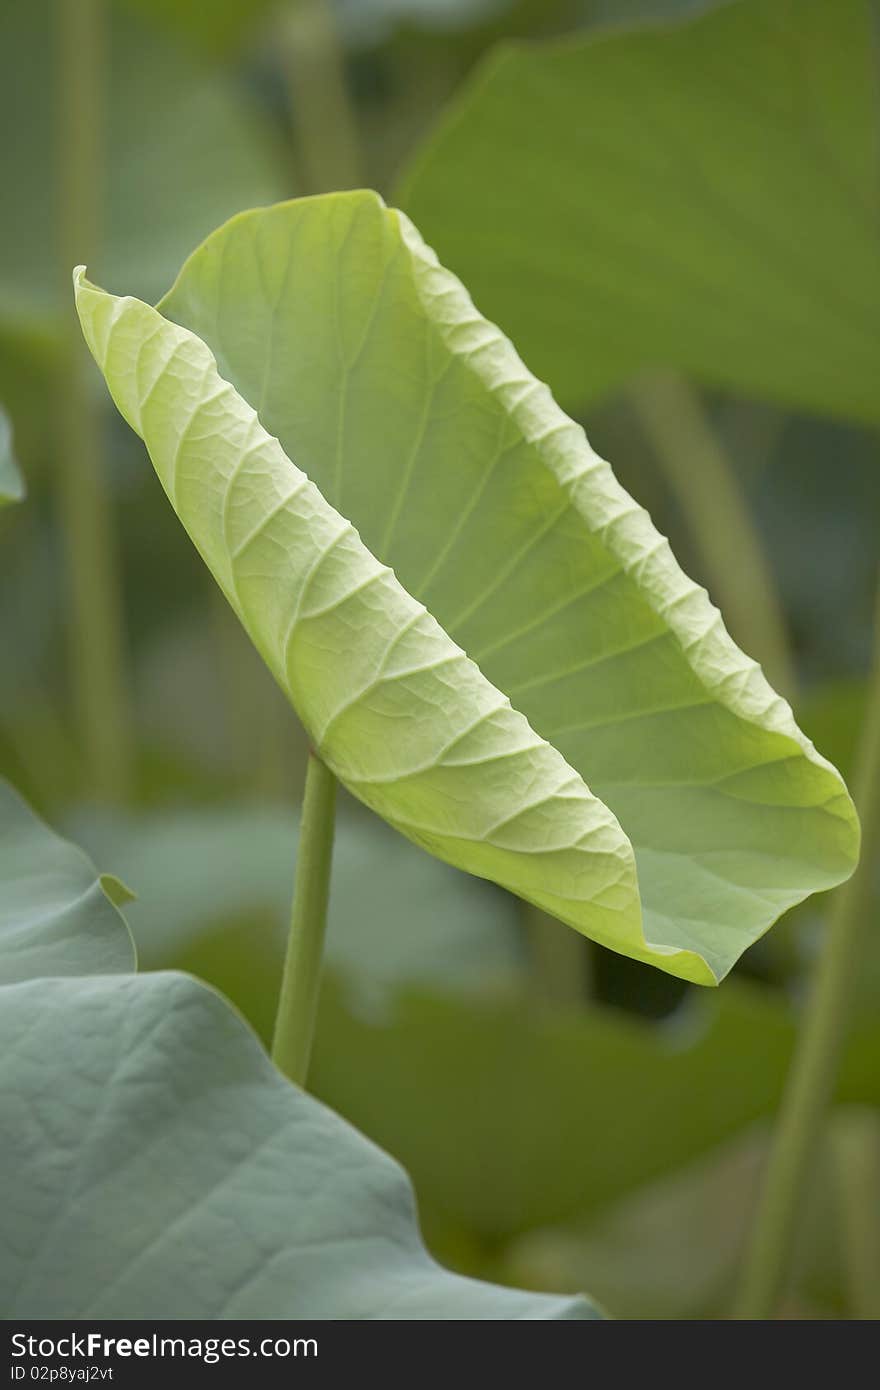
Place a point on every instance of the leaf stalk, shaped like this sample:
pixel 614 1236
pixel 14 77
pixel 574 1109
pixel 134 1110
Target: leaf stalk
pixel 300 982
pixel 326 132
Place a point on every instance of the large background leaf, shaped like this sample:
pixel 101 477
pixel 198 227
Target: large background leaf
pixel 370 365
pixel 703 195
pixel 218 28
pixel 157 1164
pixel 56 917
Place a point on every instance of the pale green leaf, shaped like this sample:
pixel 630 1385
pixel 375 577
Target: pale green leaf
pixel 55 916
pixel 11 485
pixel 702 196
pixel 343 349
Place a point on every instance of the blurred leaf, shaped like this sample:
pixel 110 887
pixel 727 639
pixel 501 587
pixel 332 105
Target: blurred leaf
pixel 371 20
pixel 702 196
pixel 509 1119
pixel 182 150
pixel 396 915
pixel 667 1251
pixel 368 363
pixel 56 917
pixel 156 1164
pixel 630 13
pixel 11 485
pixel 220 28
pixel 832 715
pixel 672 1249
pixel 27 620
pixel 204 696
pixel 856 1138
pixel 820 496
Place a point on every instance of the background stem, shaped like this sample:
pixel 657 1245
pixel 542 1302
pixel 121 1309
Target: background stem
pixel 560 960
pixel 707 490
pixel 855 1161
pixel 95 631
pixel 326 134
pixel 811 1080
pixel 298 1001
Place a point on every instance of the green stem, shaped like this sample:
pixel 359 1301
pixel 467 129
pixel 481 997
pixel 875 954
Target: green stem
pixel 298 1001
pixel 327 140
pixel 705 485
pixel 94 613
pixel 811 1080
pixel 855 1156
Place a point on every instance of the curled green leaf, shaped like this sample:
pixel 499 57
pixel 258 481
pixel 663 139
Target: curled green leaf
pixel 496 652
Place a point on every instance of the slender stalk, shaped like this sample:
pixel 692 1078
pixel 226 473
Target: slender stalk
pixel 855 1154
pixel 706 487
pixel 95 630
pixel 298 1002
pixel 813 1071
pixel 326 133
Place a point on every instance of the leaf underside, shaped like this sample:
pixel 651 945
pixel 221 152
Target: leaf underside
pixel 314 363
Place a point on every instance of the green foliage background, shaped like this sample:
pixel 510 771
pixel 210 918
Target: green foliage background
pixel 634 195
